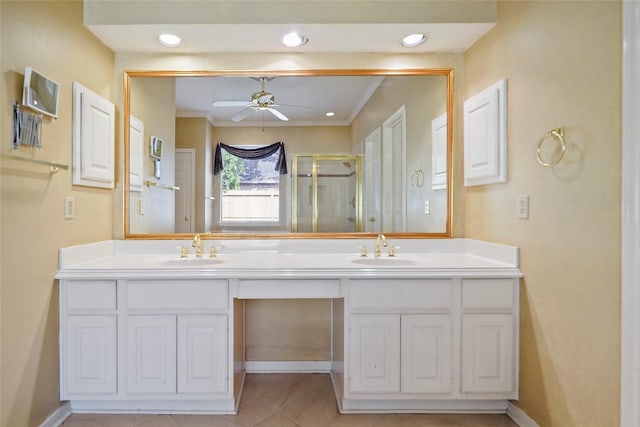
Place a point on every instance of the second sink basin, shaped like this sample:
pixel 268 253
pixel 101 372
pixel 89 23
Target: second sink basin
pixel 385 261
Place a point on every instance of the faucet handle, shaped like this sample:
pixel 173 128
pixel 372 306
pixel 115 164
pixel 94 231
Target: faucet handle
pixel 183 251
pixel 363 251
pixel 213 252
pixel 392 250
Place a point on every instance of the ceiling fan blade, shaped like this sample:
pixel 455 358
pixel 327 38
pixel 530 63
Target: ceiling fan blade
pixel 242 115
pixel 278 114
pixel 231 103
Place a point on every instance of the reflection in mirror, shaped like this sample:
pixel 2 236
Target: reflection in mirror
pixel 388 128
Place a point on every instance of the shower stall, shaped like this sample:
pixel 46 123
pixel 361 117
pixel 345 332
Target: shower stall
pixel 326 193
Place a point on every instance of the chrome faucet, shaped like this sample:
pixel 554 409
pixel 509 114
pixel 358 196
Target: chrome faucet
pixel 197 243
pixel 383 239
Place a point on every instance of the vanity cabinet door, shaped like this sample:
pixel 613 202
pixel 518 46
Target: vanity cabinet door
pixel 374 353
pixel 151 354
pixel 202 354
pixel 426 353
pixel 488 354
pixel 90 355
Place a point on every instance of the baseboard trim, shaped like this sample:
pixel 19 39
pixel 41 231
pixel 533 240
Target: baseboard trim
pixel 274 367
pixel 519 416
pixel 58 416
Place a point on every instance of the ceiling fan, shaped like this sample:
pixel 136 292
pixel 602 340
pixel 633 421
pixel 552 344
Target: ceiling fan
pixel 260 101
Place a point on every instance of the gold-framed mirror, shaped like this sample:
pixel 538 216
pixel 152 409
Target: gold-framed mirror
pixel 398 122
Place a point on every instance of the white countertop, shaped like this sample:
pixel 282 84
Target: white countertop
pixel 264 259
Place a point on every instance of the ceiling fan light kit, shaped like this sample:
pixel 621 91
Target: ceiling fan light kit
pixel 260 101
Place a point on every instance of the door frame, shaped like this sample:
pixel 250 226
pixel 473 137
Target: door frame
pixel 630 287
pixel 192 190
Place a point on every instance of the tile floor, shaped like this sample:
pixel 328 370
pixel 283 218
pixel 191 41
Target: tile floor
pixel 288 400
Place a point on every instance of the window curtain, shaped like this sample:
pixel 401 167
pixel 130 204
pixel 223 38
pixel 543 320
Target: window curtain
pixel 251 153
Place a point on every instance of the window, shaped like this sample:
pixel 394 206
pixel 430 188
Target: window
pixel 250 189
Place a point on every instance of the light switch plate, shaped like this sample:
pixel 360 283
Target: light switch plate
pixel 69 207
pixel 522 205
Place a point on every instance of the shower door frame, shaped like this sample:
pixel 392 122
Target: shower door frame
pixel 314 188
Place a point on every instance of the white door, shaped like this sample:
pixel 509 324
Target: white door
pixel 394 186
pixel 426 353
pixel 372 179
pixel 374 353
pixel 487 353
pixel 202 354
pixel 90 354
pixel 439 153
pixel 151 354
pixel 185 196
pixel 136 153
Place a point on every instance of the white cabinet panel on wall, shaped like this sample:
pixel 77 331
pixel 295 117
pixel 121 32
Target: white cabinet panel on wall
pixel 426 353
pixel 374 343
pixel 202 354
pixel 93 139
pixel 439 153
pixel 151 354
pixel 485 136
pixel 89 355
pixel 488 353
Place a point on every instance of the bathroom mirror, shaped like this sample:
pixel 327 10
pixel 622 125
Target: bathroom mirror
pixel 388 122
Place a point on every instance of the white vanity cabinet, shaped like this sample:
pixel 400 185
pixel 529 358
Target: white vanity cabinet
pixel 430 344
pixel 177 336
pixel 129 344
pixel 489 337
pixel 88 338
pixel 400 337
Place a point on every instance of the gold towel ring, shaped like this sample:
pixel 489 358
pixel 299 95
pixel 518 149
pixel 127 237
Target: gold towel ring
pixel 419 178
pixel 557 134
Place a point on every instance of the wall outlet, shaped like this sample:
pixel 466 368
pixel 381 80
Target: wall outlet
pixel 69 207
pixel 427 207
pixel 522 205
pixel 140 207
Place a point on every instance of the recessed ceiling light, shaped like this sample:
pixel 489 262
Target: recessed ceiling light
pixel 294 40
pixel 413 40
pixel 169 40
pixel 329 114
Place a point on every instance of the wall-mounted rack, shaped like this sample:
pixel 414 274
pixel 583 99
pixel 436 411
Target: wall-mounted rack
pixel 149 183
pixel 54 167
pixel 27 127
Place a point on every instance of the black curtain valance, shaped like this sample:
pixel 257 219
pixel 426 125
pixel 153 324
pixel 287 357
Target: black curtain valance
pixel 252 154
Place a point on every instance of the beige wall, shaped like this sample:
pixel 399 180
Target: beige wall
pixel 153 101
pixel 424 99
pixel 563 65
pixel 191 132
pixel 48 36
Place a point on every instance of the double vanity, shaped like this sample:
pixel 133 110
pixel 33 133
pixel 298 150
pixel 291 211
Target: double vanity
pixel 145 327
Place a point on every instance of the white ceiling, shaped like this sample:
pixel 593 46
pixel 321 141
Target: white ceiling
pixel 344 26
pixel 304 100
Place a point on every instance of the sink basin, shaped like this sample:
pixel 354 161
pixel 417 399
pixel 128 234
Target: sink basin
pixel 190 262
pixel 385 261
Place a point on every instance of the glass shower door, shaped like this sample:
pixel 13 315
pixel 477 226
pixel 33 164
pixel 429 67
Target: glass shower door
pixel 327 195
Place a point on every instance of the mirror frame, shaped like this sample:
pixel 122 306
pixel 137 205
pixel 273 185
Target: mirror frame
pixel 448 72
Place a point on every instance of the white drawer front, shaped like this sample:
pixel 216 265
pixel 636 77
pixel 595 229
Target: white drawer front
pixel 406 295
pixel 191 295
pixel 287 288
pixel 90 295
pixel 485 295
